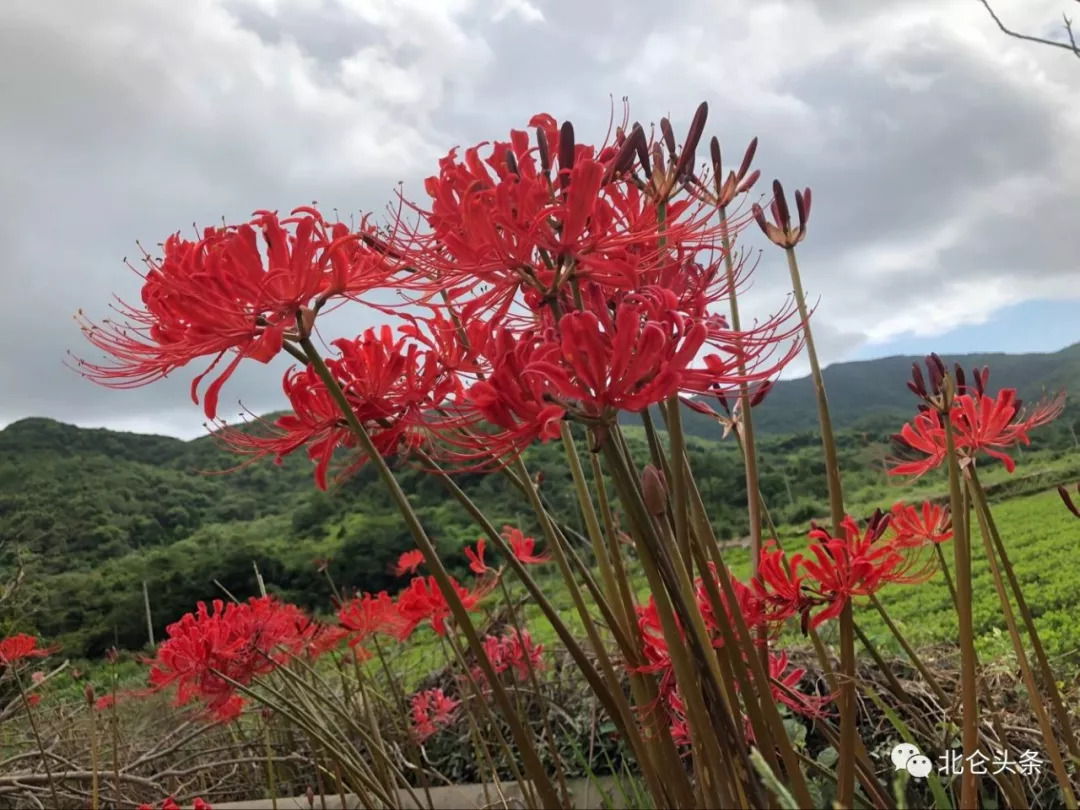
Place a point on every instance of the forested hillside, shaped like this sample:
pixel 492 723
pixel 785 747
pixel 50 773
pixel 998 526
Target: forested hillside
pixel 91 515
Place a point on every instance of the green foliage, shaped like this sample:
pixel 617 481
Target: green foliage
pixel 93 514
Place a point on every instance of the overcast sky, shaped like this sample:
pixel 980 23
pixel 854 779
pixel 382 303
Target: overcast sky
pixel 944 157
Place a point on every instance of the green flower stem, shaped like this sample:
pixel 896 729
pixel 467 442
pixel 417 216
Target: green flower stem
pixel 969 783
pixel 688 658
pixel 1049 740
pixel 611 698
pixel 848 705
pixel 978 494
pixel 530 759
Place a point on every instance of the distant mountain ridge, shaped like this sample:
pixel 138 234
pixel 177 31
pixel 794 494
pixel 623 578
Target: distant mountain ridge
pixel 91 515
pixel 868 393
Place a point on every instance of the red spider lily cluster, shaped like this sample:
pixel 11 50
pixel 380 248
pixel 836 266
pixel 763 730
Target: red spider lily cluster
pixel 514 651
pixel 209 651
pixel 817 584
pixel 545 280
pixel 432 710
pixel 980 423
pixel 756 613
pixel 813 586
pixel 21 647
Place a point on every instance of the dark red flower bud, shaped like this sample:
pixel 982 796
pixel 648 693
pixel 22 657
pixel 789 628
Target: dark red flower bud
pixel 749 182
pixel 783 214
pixel 958 375
pixel 802 206
pixel 717 163
pixel 88 694
pixel 654 489
pixel 511 163
pixel 936 369
pixel 1067 499
pixel 566 152
pixel 760 394
pixel 624 158
pixel 918 382
pixel 744 167
pixel 310 796
pixel 669 136
pixel 685 164
pixel 641 143
pixel 543 149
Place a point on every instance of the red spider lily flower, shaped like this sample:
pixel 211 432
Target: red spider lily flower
pixel 615 355
pixel 201 804
pixel 21 647
pixel 476 558
pixel 33 700
pixel 104 703
pixel 514 651
pixel 981 424
pixel 535 219
pixel 779 585
pixel 915 526
pixel 992 425
pixel 239 642
pixel 432 710
pixel 392 385
pixel 786 690
pixel 37 678
pixel 366 615
pixel 858 564
pixel 409 562
pixel 747 602
pixel 220 295
pixel 524 547
pixel 423 601
pixel 325 638
pixel 923 435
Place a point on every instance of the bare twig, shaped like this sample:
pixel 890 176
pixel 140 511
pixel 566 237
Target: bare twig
pixel 1068 46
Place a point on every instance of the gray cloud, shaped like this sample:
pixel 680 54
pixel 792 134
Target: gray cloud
pixel 944 158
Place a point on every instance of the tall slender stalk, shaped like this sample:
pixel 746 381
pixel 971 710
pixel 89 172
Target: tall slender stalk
pixel 1034 697
pixel 848 706
pixel 747 442
pixel 969 720
pixel 978 495
pixel 530 759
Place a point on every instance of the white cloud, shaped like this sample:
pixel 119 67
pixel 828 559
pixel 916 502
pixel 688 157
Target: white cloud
pixel 944 156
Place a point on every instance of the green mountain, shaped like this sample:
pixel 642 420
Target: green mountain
pixel 90 516
pixel 871 395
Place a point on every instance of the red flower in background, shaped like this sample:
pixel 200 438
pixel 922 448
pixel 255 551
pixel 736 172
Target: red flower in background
pixel 221 295
pixel 514 651
pixel 241 641
pixel 423 601
pixel 366 615
pixel 857 564
pixel 524 548
pixel 392 385
pixel 476 558
pixel 981 424
pixel 789 694
pixel 409 562
pixel 431 711
pixel 915 526
pixel 21 647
